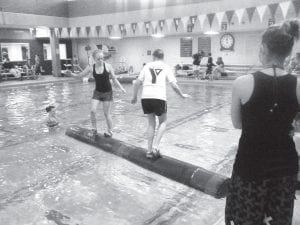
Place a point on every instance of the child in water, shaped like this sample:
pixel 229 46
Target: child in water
pixel 52 120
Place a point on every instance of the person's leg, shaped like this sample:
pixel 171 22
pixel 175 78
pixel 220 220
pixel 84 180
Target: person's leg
pixel 107 115
pixel 281 196
pixel 151 130
pixel 161 130
pixel 245 202
pixel 93 113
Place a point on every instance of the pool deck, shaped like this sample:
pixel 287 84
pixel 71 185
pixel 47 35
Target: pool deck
pixel 48 79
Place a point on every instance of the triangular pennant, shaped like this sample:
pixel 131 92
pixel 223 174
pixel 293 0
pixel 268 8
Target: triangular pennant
pixel 185 21
pixel 250 12
pixel 296 6
pixel 169 23
pixel 161 24
pixel 176 23
pixel 240 13
pixel 133 27
pixel 77 31
pixel 87 30
pixel 109 29
pixel 59 31
pixel 229 15
pixel 154 23
pixel 210 18
pixel 147 26
pixel 98 28
pixel 261 11
pixel 220 16
pixel 284 8
pixel 273 9
pixel 202 19
pixel 69 32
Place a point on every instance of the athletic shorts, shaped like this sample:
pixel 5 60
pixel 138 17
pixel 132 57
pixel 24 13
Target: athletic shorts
pixel 269 201
pixel 103 96
pixel 156 106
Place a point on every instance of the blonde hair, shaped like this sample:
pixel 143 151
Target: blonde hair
pixel 96 52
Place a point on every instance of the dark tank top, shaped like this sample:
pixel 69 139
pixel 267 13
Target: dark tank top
pixel 266 148
pixel 102 80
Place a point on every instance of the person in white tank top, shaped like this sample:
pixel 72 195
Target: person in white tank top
pixel 153 78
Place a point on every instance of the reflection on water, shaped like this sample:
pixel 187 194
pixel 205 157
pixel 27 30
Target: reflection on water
pixel 48 178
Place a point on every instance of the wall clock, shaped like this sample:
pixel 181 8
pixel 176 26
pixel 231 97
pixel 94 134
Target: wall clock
pixel 227 42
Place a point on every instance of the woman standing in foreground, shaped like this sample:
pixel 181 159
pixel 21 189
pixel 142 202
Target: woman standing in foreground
pixel 264 104
pixel 102 72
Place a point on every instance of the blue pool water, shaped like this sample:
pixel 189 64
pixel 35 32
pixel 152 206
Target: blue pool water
pixel 49 178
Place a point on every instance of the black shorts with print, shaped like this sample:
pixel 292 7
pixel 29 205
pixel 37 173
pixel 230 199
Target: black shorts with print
pixel 266 202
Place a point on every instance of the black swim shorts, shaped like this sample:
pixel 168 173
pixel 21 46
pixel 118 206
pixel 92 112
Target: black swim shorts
pixel 156 106
pixel 103 96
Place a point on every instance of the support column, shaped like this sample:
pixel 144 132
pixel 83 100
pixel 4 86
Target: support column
pixel 54 43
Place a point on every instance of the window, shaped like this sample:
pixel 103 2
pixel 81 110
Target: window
pixel 14 51
pixel 186 47
pixel 47 51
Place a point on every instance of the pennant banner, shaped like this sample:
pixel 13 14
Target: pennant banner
pixel 296 6
pixel 185 21
pixel 273 9
pixel 88 30
pixel 69 31
pixel 284 8
pixel 240 13
pixel 229 15
pixel 250 12
pixel 210 18
pixel 202 19
pixel 261 11
pixel 220 16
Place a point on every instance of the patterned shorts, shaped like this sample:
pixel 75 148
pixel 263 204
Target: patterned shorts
pixel 266 202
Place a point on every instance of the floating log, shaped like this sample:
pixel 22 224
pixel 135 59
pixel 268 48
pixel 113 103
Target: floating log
pixel 199 178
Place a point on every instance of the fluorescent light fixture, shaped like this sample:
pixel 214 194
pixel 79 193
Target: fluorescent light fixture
pixel 158 35
pixel 211 32
pixel 115 37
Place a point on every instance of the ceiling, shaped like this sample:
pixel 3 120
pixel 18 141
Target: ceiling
pixel 77 8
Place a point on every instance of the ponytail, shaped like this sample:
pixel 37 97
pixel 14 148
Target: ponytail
pixel 291 27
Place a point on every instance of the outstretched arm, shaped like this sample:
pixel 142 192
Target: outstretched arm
pixel 114 78
pixel 178 91
pixel 83 73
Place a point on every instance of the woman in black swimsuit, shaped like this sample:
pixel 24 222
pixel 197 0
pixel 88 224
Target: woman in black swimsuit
pixel 102 73
pixel 264 105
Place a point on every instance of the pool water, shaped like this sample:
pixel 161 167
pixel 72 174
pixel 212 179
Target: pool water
pixel 47 178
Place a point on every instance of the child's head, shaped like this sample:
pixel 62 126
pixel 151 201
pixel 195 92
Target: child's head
pixel 50 109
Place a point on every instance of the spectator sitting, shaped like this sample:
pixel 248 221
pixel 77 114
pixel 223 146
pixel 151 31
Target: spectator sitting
pixel 219 69
pixel 210 66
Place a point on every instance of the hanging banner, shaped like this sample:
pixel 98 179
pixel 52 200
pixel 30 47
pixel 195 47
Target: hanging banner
pixel 154 24
pixel 133 27
pixel 77 31
pixel 229 15
pixel 273 9
pixel 176 23
pixel 69 31
pixel 147 27
pixel 210 18
pixel 109 29
pixel 98 29
pixel 169 23
pixel 161 24
pixel 87 30
pixel 220 16
pixel 284 8
pixel 240 13
pixel 59 31
pixel 261 11
pixel 202 19
pixel 296 6
pixel 250 12
pixel 185 21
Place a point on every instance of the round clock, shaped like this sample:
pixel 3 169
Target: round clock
pixel 227 42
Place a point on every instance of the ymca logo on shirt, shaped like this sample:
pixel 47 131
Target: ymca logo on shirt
pixel 154 73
